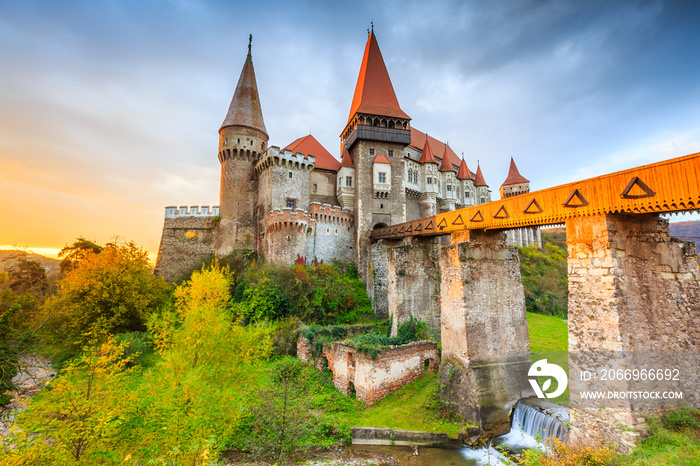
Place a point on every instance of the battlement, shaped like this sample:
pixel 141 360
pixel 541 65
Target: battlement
pixel 317 214
pixel 191 211
pixel 285 158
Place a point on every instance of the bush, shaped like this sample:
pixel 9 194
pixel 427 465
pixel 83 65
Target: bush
pixel 682 419
pixel 370 343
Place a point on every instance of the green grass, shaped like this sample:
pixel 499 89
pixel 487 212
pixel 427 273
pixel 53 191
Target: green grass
pixel 547 333
pixel 415 406
pixel 549 339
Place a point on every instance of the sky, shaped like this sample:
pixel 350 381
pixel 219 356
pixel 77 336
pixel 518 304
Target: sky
pixel 110 110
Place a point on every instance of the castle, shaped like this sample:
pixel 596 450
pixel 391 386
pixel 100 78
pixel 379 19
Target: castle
pixel 300 201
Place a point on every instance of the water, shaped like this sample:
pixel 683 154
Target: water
pixel 530 428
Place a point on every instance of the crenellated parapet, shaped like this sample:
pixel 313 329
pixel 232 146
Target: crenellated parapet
pixel 274 156
pixel 299 220
pixel 191 211
pixel 330 215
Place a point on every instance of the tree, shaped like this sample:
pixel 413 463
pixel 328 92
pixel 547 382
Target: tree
pixel 108 292
pixel 194 400
pixel 76 252
pixel 28 276
pixel 78 420
pixel 282 420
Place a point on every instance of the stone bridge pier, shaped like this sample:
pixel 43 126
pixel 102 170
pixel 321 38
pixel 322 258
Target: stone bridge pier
pixel 634 291
pixel 471 292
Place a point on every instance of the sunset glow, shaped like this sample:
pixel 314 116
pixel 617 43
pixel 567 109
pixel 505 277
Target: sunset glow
pixel 109 111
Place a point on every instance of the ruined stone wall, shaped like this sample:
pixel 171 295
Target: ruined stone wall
pixel 371 379
pixel 323 189
pixel 393 368
pixel 184 243
pixel 413 281
pixel 632 289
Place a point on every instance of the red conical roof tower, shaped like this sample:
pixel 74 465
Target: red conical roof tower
pixel 464 173
pixel 514 176
pixel 346 161
pixel 427 155
pixel 479 179
pixel 446 166
pixel 245 106
pixel 374 93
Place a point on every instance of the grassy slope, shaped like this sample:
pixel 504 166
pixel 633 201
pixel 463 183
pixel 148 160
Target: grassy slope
pixel 415 406
pixel 547 333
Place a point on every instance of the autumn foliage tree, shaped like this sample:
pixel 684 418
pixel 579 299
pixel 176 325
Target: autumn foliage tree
pixel 105 293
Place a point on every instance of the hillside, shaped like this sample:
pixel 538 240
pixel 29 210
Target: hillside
pixel 8 258
pixel 688 230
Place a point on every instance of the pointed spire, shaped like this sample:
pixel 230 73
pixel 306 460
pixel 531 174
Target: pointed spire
pixel 347 161
pixel 514 176
pixel 464 173
pixel 427 156
pixel 446 166
pixel 479 179
pixel 245 106
pixel 374 93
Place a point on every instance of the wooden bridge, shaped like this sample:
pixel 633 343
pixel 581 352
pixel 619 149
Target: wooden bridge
pixel 632 289
pixel 668 186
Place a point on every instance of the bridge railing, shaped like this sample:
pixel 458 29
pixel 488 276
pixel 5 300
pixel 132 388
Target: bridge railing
pixel 667 186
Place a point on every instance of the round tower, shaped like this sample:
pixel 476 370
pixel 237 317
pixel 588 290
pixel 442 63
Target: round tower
pixel 242 138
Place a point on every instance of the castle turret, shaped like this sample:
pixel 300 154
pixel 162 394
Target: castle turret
pixel 482 189
pixel 515 183
pixel 377 126
pixel 448 190
pixel 242 138
pixel 345 184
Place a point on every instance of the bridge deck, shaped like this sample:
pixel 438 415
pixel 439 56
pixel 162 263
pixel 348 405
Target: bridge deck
pixel 668 186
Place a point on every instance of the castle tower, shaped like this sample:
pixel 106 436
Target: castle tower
pixel 448 189
pixel 466 184
pixel 376 127
pixel 242 138
pixel 482 189
pixel 515 183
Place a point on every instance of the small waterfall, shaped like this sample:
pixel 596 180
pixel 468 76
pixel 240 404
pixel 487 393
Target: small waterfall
pixel 534 423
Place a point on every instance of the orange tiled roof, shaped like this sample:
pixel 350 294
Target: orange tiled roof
pixel 514 176
pixel 374 93
pixel 464 173
pixel 308 145
pixel 479 179
pixel 418 141
pixel 346 161
pixel 245 107
pixel 381 159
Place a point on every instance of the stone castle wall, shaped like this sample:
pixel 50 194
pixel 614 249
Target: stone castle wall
pixel 323 189
pixel 186 240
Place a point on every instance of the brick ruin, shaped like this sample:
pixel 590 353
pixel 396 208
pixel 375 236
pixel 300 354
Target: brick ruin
pixel 371 379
